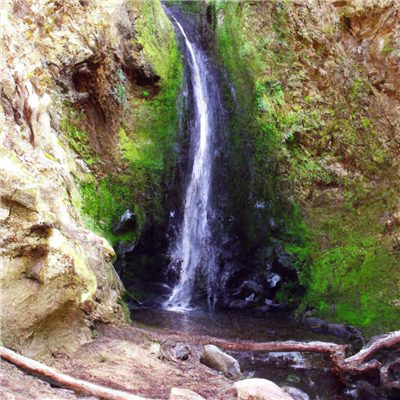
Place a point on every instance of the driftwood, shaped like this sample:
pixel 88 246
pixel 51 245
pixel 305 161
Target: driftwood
pixel 337 352
pixel 386 381
pixel 65 380
pixel 389 340
pixel 359 363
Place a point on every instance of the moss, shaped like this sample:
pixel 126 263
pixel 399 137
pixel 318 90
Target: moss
pixel 188 6
pixel 135 174
pixel 125 310
pixel 95 334
pixel 103 357
pixel 324 170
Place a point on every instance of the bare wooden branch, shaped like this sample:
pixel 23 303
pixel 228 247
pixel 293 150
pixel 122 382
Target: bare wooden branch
pixel 65 380
pixel 389 340
pixel 386 381
pixel 359 363
pixel 312 347
pixel 337 352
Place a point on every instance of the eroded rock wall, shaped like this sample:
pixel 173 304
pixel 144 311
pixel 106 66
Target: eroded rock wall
pixel 57 276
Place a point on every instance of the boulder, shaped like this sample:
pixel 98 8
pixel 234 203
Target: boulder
pixel 259 389
pixel 174 351
pixel 217 359
pixel 184 394
pixel 345 332
pixel 297 394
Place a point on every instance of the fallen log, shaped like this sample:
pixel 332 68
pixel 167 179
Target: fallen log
pixel 65 380
pixel 386 381
pixel 359 363
pixel 337 352
pixel 389 340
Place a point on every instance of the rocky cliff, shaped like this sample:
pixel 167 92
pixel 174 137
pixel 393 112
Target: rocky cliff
pixel 90 133
pixel 75 84
pixel 321 78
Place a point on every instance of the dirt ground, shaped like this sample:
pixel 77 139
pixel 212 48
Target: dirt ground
pixel 121 358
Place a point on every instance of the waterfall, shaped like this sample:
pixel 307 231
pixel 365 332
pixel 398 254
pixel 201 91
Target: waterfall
pixel 192 248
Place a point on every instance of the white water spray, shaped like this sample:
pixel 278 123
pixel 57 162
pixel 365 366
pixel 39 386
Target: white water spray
pixel 195 233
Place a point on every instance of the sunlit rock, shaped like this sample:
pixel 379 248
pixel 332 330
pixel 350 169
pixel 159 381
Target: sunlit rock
pixel 259 389
pixel 217 359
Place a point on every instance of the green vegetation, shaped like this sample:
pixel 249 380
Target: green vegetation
pixel 103 357
pixel 145 136
pixel 187 5
pixel 323 167
pixel 125 309
pixel 312 176
pixel 95 334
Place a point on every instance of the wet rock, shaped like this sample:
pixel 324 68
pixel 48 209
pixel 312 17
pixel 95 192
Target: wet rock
pixel 217 359
pixel 297 394
pixel 127 222
pixel 184 394
pixel 259 389
pixel 346 332
pixel 273 279
pixel 365 390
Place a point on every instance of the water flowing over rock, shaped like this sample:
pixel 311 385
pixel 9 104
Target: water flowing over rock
pixel 194 252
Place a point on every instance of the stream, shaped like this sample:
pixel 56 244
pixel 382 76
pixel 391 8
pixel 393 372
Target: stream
pixel 193 254
pixel 309 372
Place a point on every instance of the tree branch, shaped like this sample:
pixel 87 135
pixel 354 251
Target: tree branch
pixel 65 380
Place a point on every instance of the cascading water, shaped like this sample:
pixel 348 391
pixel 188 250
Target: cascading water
pixel 192 248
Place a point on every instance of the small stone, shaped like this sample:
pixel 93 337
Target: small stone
pixel 174 351
pixel 184 394
pixel 217 359
pixel 259 389
pixel 297 394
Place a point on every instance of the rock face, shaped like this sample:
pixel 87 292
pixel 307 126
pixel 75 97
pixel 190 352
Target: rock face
pixel 57 276
pixel 327 84
pixel 259 389
pixel 217 359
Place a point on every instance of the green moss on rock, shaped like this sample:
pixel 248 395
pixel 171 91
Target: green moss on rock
pixel 316 135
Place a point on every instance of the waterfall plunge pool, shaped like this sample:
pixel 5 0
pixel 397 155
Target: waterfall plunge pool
pixel 309 372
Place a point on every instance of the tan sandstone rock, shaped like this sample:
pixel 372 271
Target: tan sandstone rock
pixel 259 389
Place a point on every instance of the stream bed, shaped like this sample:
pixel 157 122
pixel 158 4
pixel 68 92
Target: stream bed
pixel 309 372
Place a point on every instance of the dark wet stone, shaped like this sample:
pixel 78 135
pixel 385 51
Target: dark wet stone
pixel 366 391
pixel 345 332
